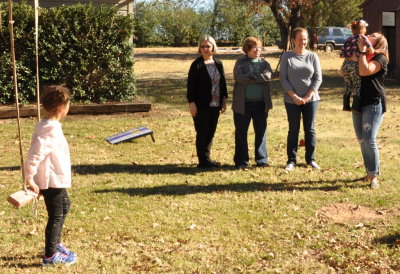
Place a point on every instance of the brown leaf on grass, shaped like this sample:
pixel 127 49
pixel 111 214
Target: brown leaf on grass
pixel 32 232
pixel 298 236
pixel 359 225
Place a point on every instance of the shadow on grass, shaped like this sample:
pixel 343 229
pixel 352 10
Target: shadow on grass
pixel 183 189
pixel 168 91
pixel 173 91
pixel 392 240
pixel 15 261
pixel 145 169
pixel 9 168
pixel 193 56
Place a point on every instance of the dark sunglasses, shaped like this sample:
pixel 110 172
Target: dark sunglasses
pixel 205 47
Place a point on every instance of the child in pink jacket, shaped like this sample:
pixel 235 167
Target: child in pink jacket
pixel 48 171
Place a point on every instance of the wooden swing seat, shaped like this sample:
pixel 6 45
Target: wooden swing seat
pixel 22 197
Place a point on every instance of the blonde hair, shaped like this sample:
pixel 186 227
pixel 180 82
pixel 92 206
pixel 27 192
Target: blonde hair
pixel 251 42
pixel 209 39
pixel 297 30
pixel 381 45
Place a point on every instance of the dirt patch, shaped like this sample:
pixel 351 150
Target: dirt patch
pixel 352 213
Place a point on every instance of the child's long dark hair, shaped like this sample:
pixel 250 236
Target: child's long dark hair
pixel 53 97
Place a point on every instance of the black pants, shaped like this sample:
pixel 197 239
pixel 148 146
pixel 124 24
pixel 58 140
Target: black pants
pixel 57 205
pixel 205 124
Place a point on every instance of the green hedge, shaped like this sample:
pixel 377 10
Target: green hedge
pixel 86 48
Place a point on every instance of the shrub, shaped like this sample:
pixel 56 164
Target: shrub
pixel 86 48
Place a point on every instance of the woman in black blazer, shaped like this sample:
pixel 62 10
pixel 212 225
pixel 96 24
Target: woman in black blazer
pixel 206 94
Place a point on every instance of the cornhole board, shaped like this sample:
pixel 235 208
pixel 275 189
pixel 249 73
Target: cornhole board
pixel 130 134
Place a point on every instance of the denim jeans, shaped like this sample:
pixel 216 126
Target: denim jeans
pixel 57 205
pixel 294 114
pixel 366 125
pixel 253 111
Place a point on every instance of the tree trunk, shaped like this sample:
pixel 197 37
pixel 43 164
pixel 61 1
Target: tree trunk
pixel 214 18
pixel 283 24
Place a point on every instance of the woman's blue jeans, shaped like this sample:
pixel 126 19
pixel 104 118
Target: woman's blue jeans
pixel 254 111
pixel 366 125
pixel 294 114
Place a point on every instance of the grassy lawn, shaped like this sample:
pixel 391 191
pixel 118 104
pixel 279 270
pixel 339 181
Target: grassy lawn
pixel 144 207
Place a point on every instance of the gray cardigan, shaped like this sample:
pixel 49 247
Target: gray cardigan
pixel 300 73
pixel 244 76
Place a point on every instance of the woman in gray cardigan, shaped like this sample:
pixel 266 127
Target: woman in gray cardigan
pixel 300 76
pixel 251 101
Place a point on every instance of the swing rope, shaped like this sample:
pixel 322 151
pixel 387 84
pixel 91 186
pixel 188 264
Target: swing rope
pixel 37 57
pixel 15 84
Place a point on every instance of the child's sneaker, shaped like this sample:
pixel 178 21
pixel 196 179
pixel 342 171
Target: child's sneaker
pixel 61 248
pixel 58 258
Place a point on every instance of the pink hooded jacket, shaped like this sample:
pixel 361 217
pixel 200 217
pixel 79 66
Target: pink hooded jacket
pixel 48 161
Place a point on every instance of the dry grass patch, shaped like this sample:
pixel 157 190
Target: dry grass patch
pixel 355 214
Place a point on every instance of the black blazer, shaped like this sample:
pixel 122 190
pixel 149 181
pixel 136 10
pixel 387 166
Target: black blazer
pixel 199 83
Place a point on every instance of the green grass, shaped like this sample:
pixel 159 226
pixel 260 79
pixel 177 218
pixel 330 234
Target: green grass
pixel 144 207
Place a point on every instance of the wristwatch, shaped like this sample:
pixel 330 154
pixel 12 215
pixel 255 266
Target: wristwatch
pixel 363 52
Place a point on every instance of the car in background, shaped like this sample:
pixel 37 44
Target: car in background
pixel 329 38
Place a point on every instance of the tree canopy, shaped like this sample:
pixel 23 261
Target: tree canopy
pixel 181 22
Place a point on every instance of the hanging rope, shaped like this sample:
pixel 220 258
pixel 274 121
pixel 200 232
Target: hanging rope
pixel 37 57
pixel 14 68
pixel 15 84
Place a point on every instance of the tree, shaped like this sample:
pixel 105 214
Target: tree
pixel 234 20
pixel 168 24
pixel 332 13
pixel 231 25
pixel 310 13
pixel 286 13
